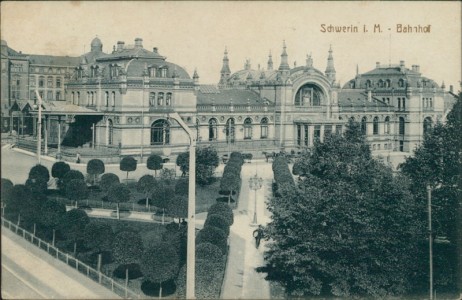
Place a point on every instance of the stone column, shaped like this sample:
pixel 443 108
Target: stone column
pixel 59 135
pixel 321 135
pixel 46 128
pixel 311 135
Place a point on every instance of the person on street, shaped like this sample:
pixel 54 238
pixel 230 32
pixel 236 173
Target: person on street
pixel 258 235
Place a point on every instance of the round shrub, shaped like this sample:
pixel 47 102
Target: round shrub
pixel 134 271
pixel 39 172
pixel 208 251
pixel 107 180
pixel 223 210
pixel 217 221
pixel 59 169
pixel 69 176
pixel 213 235
pixel 152 288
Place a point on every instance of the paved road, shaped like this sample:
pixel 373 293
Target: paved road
pixel 42 274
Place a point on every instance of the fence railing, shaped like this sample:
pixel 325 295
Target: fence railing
pixel 73 262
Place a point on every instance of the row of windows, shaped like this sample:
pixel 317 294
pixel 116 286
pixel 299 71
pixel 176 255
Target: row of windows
pixel 375 125
pixel 91 96
pixel 427 102
pixel 401 103
pixel 49 95
pixel 158 72
pixel 316 133
pixel 160 99
pixel 230 128
pixel 49 82
pixel 383 83
pixel 47 70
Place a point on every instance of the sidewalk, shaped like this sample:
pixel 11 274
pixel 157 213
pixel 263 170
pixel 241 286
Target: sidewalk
pixel 241 281
pixel 48 277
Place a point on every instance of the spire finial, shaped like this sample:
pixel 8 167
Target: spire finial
pixel 284 61
pixel 357 70
pixel 270 61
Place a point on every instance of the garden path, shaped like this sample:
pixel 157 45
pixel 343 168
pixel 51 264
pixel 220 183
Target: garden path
pixel 241 279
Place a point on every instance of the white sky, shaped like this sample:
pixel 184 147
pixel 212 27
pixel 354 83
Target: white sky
pixel 194 34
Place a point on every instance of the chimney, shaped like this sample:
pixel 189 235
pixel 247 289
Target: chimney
pixel 369 96
pixel 120 46
pixel 154 50
pixel 377 65
pixel 401 63
pixel 417 68
pixel 138 43
pixel 451 89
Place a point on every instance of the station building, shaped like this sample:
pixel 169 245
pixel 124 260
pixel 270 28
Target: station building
pixel 122 102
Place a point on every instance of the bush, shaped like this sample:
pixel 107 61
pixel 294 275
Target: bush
pixel 182 161
pixel 167 176
pixel 73 224
pixel 107 180
pixel 68 177
pixel 76 189
pixel 118 193
pixel 59 169
pixel 6 187
pixel 213 235
pixel 223 210
pixel 146 184
pixel 208 281
pixel 281 171
pixel 152 288
pixel 98 237
pixel 209 252
pixel 217 221
pixel 134 271
pixel 51 213
pixel 182 187
pixel 39 172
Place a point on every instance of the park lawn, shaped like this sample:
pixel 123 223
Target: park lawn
pixel 206 195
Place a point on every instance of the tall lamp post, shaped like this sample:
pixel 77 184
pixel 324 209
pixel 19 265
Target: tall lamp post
pixel 39 127
pixel 430 238
pixel 255 183
pixel 191 245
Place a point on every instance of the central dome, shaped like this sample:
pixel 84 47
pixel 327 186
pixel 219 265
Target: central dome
pixel 96 44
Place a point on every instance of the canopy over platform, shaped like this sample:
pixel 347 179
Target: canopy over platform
pixel 63 108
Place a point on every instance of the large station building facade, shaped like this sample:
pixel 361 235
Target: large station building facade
pixel 122 103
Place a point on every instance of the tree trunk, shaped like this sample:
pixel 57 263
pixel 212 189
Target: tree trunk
pixel 147 201
pixel 118 213
pixel 126 277
pixel 160 290
pixel 229 197
pixel 127 175
pixel 163 215
pixel 75 249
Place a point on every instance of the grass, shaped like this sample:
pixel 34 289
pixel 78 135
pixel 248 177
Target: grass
pixel 206 196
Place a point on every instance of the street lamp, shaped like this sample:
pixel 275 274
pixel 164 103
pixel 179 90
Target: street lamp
pixel 255 183
pixel 191 245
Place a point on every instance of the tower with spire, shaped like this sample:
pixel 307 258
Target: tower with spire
pixel 284 68
pixel 225 70
pixel 270 62
pixel 330 69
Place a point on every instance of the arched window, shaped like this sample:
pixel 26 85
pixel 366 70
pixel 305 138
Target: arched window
pixel 58 82
pixel 168 99
pixel 152 99
pixel 248 129
pixel 364 125
pixel 380 83
pixel 41 81
pixel 309 95
pixel 368 83
pixel 113 99
pixel 387 125
pixel 152 71
pixel 427 125
pixel 50 81
pixel 106 99
pixel 110 134
pixel 401 82
pixel 160 99
pixel 213 129
pixel 352 84
pixel 375 126
pixel 352 119
pixel 430 103
pixel 401 126
pixel 264 128
pixel 230 130
pixel 160 133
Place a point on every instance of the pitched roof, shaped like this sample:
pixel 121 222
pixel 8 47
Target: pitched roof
pixel 50 60
pixel 208 95
pixel 358 99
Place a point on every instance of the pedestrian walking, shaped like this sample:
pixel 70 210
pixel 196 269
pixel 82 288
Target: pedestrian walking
pixel 258 235
pixel 77 157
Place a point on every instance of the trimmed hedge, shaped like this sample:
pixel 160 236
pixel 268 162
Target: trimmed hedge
pixel 281 172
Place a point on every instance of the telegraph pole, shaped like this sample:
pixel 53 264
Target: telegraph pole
pixel 430 238
pixel 39 127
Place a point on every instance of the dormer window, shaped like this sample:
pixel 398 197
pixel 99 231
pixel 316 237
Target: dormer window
pixel 164 72
pixel 168 99
pixel 160 99
pixel 380 83
pixel 152 72
pixel 114 71
pixel 387 83
pixel 94 71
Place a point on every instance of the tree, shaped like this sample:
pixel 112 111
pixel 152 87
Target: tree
pixel 146 184
pixel 349 229
pixel 51 214
pixel 98 236
pixel 38 179
pixel 128 164
pixel 118 193
pixel 178 207
pixel 107 180
pixel 68 177
pixel 182 187
pixel 437 163
pixel 95 167
pixel 76 190
pixel 213 235
pixel 217 221
pixel 230 183
pixel 154 162
pixel 19 198
pixel 167 176
pixel 161 198
pixel 160 263
pixel 127 249
pixel 58 170
pixel 182 161
pixel 206 162
pixel 6 187
pixel 73 224
pixel 223 210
